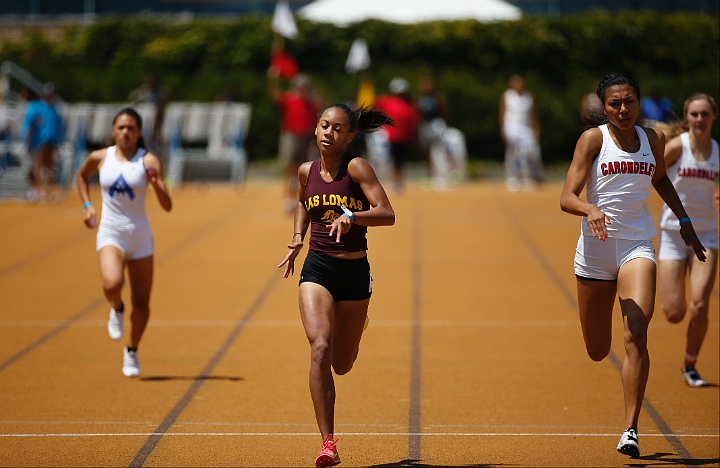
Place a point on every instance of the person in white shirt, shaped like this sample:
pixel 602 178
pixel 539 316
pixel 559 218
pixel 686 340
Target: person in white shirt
pixel 617 162
pixel 693 164
pixel 520 129
pixel 124 238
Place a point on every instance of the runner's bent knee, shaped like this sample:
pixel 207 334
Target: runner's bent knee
pixel 320 350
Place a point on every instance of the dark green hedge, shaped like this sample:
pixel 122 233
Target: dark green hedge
pixel 562 59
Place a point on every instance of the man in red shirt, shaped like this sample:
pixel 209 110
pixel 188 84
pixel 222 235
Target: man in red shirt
pixel 400 107
pixel 299 107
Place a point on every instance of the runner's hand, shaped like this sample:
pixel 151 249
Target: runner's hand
pixel 687 231
pixel 90 217
pixel 340 226
pixel 151 175
pixel 289 260
pixel 597 220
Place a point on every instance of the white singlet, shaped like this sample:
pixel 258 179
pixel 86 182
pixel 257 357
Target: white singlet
pixel 124 187
pixel 517 119
pixel 695 182
pixel 619 185
pixel 124 223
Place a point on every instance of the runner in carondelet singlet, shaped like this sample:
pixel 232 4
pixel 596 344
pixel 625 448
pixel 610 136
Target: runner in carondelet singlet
pixel 619 185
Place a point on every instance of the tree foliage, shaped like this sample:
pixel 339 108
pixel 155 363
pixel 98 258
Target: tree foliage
pixel 561 58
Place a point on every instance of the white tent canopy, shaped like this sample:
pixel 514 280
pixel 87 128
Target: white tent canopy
pixel 344 12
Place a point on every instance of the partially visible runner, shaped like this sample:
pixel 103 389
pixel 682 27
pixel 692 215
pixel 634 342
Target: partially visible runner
pixel 340 196
pixel 693 165
pixel 124 238
pixel 617 162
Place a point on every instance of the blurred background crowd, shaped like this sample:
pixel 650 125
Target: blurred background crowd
pixel 220 84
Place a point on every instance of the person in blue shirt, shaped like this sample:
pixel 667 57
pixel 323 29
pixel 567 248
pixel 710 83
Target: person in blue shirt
pixel 657 107
pixel 42 132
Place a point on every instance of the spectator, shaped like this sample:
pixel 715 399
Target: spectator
pixel 399 107
pixel 656 107
pixel 150 92
pixel 299 107
pixel 591 102
pixel 42 132
pixel 432 106
pixel 230 94
pixel 520 129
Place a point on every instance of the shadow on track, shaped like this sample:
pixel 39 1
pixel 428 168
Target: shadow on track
pixel 163 378
pixel 422 464
pixel 670 459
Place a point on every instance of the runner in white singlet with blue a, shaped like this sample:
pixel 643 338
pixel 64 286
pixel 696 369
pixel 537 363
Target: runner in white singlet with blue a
pixel 617 162
pixel 693 164
pixel 124 237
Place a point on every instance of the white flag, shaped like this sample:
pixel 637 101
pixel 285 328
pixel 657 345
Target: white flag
pixel 358 58
pixel 283 22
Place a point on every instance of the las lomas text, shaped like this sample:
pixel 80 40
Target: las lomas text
pixel 334 200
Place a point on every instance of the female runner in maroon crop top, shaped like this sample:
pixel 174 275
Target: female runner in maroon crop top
pixel 340 197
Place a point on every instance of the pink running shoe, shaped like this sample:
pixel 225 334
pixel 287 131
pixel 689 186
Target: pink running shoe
pixel 328 456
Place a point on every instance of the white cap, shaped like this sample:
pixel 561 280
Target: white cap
pixel 399 85
pixel 301 80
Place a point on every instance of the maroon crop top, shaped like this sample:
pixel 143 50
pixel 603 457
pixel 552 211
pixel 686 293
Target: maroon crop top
pixel 323 200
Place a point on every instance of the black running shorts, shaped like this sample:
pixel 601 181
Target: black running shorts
pixel 346 280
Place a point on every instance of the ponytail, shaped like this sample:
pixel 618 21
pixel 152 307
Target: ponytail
pixel 370 120
pixel 592 119
pixel 364 119
pixel 670 130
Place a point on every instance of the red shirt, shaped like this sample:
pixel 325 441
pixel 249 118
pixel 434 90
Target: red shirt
pixel 405 115
pixel 299 115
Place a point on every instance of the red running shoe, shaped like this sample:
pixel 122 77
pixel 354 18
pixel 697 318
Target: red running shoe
pixel 328 456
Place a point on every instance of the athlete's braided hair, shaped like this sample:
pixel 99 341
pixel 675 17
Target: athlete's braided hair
pixel 363 119
pixel 132 113
pixel 593 119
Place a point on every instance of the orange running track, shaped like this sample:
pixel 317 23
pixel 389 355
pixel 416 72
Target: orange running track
pixel 473 356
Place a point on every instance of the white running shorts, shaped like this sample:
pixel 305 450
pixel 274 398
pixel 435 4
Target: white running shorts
pixel 595 259
pixel 136 242
pixel 672 246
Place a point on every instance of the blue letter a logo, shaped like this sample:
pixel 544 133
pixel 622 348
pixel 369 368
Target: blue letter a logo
pixel 120 186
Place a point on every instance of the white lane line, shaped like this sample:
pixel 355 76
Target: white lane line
pixel 189 423
pixel 434 427
pixel 381 323
pixel 372 434
pixel 397 426
pixel 73 423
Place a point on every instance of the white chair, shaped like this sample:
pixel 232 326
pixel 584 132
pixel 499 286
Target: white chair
pixel 73 151
pixel 206 140
pixel 100 125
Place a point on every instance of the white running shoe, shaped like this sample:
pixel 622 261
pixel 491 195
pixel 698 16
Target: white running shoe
pixel 115 324
pixel 692 377
pixel 628 444
pixel 131 366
